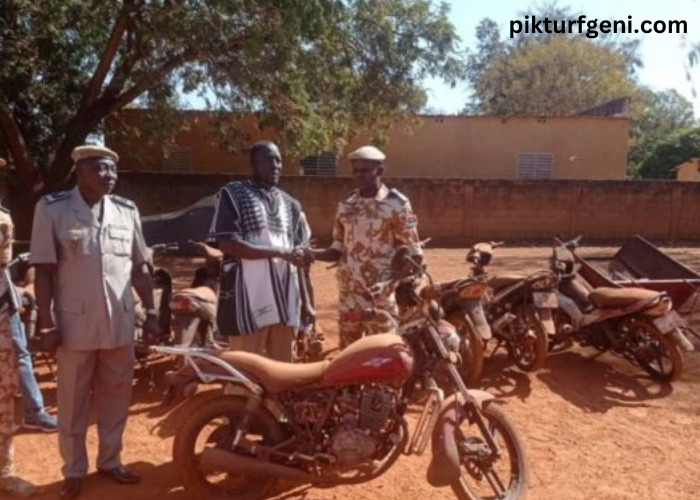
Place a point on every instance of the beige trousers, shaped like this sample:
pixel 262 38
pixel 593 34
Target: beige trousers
pixel 276 342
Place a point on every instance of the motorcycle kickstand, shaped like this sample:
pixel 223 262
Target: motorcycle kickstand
pixel 45 358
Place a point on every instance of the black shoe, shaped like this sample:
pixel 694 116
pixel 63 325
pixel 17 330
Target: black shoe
pixel 70 488
pixel 121 475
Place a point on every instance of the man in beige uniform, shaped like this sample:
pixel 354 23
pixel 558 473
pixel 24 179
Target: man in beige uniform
pixel 370 224
pixel 87 246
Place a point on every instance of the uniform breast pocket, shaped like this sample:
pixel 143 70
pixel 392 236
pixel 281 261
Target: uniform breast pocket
pixel 76 242
pixel 118 240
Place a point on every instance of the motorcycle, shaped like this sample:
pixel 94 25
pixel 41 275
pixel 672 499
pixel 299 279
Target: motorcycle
pixel 515 310
pixel 519 309
pixel 193 309
pixel 343 421
pixel 22 275
pixel 637 324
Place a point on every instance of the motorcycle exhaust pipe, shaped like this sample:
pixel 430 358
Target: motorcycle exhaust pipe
pixel 682 341
pixel 234 463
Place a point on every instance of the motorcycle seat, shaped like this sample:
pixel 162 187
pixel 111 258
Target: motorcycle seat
pixel 201 292
pixel 498 282
pixel 607 297
pixel 275 376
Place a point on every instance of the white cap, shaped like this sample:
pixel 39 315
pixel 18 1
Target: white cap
pixel 90 151
pixel 369 153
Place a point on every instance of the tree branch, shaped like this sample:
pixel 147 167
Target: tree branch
pixel 106 60
pixel 26 167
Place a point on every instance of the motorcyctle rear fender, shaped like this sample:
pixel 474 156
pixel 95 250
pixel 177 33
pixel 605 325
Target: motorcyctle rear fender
pixel 184 328
pixel 547 320
pixel 445 467
pixel 475 311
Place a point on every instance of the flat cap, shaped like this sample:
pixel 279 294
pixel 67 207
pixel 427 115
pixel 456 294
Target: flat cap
pixel 90 151
pixel 2 163
pixel 369 153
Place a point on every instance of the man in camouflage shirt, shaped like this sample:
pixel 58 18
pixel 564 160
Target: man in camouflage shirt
pixel 9 482
pixel 370 224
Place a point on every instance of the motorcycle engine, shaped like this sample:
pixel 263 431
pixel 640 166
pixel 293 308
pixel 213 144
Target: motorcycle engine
pixel 356 440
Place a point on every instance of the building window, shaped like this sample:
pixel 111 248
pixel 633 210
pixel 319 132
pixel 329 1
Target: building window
pixel 535 165
pixel 325 163
pixel 177 159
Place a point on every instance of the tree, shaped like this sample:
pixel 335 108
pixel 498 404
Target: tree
pixel 656 115
pixel 315 69
pixel 546 75
pixel 669 152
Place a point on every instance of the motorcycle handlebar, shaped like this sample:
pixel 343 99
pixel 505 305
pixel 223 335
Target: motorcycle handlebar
pixel 571 244
pixel 374 314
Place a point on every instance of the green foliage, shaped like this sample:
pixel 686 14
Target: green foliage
pixel 669 152
pixel 546 74
pixel 318 70
pixel 657 115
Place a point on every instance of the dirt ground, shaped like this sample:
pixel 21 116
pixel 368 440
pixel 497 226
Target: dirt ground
pixel 594 428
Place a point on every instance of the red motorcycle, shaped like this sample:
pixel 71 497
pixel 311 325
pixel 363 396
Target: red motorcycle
pixel 343 421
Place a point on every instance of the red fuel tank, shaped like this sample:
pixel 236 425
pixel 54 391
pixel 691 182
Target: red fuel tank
pixel 384 358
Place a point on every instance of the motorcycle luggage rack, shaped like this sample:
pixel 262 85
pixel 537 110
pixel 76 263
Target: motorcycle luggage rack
pixel 192 353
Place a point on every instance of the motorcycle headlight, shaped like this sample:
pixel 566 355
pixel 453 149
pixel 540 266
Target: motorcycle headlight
pixel 544 283
pixel 449 337
pixel 473 291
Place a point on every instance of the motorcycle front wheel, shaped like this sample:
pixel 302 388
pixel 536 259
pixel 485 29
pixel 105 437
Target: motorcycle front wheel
pixel 213 422
pixel 487 476
pixel 656 353
pixel 529 346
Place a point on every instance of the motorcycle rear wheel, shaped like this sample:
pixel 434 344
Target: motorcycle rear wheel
pixel 656 353
pixel 529 350
pixel 213 422
pixel 484 477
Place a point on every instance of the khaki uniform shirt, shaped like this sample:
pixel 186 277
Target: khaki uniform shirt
pixel 367 232
pixel 93 300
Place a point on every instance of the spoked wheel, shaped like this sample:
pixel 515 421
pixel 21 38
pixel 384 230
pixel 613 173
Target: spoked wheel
pixel 213 422
pixel 471 350
pixel 529 345
pixel 655 352
pixel 485 476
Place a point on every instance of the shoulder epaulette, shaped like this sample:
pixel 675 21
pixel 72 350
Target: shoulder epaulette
pixel 56 197
pixel 124 202
pixel 398 194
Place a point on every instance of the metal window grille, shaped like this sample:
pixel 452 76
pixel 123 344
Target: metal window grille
pixel 323 164
pixel 177 159
pixel 535 165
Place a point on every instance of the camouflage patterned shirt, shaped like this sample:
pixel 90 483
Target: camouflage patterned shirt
pixel 366 232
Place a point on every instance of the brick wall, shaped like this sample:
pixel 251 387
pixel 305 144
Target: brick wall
pixel 459 211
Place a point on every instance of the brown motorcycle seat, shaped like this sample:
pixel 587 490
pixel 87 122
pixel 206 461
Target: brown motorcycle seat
pixel 498 282
pixel 201 292
pixel 620 297
pixel 275 376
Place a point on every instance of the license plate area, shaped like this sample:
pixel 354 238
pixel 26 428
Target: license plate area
pixel 545 300
pixel 668 322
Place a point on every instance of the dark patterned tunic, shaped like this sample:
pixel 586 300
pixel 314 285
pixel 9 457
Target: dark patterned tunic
pixel 262 292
